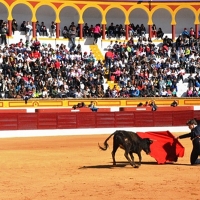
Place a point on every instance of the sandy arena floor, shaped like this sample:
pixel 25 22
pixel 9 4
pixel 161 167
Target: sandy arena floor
pixel 73 168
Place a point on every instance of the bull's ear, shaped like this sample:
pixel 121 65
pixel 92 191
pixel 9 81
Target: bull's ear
pixel 151 141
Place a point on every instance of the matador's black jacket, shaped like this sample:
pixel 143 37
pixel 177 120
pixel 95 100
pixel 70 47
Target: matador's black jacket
pixel 195 137
pixel 195 132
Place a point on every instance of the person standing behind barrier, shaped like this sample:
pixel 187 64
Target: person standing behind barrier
pixel 92 106
pixel 195 137
pixel 97 33
pixel 4 31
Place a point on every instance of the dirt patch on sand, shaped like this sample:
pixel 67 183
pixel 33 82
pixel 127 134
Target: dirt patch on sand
pixel 73 168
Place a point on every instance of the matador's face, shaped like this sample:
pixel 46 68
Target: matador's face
pixel 191 126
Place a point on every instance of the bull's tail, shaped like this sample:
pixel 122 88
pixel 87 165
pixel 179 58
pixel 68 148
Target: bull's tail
pixel 105 143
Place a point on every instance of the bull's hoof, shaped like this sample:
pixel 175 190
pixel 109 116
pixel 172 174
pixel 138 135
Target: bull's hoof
pixel 136 166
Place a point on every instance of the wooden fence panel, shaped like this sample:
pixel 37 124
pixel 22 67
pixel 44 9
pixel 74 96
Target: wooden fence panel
pixel 86 120
pixel 144 119
pixel 27 121
pixel 105 120
pixel 124 119
pixel 163 118
pixel 181 117
pixel 47 120
pixel 66 120
pixel 8 121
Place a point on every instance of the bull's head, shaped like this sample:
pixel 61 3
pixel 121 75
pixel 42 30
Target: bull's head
pixel 146 145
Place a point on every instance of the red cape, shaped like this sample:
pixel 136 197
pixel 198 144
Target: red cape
pixel 165 146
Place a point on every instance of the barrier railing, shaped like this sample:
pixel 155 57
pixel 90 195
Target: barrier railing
pixel 34 121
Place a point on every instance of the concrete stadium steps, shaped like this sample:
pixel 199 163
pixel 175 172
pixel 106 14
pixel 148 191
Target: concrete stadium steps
pixel 112 83
pixel 97 52
pixel 182 89
pixel 183 86
pixel 99 56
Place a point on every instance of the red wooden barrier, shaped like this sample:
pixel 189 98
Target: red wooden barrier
pixel 27 121
pixel 66 120
pixel 124 119
pixel 163 118
pixel 181 117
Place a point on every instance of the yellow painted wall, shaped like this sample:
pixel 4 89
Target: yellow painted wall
pixel 68 103
pixel 149 7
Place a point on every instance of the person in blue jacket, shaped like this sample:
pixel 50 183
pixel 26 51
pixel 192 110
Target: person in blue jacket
pixel 195 138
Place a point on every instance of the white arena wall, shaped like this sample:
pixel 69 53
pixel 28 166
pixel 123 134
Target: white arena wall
pixel 92 131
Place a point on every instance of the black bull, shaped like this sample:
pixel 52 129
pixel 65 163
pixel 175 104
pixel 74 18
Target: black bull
pixel 131 143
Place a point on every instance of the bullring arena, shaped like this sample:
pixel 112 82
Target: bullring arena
pixel 72 167
pixel 49 151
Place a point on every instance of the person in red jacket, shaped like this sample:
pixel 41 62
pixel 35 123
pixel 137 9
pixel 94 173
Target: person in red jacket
pixel 35 54
pixel 109 55
pixel 57 64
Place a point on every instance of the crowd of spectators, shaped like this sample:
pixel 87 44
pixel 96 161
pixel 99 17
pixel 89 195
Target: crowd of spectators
pixel 29 69
pixel 143 69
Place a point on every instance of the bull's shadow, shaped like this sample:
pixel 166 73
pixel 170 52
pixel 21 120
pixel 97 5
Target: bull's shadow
pixel 142 163
pixel 104 166
pixel 119 164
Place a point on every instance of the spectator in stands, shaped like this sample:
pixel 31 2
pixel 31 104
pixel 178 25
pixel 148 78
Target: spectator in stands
pixel 43 29
pixel 111 30
pixel 197 80
pixel 37 27
pixel 134 92
pixel 185 33
pixel 154 30
pixel 14 26
pixel 53 28
pixel 167 41
pixel 86 30
pixel 72 37
pixel 190 92
pixel 65 32
pixel 160 33
pixel 28 30
pixel 100 92
pixel 192 32
pixel 109 56
pixel 142 30
pixel 4 31
pixel 92 106
pixel 91 31
pixel 97 33
pixel 23 26
pixel 191 81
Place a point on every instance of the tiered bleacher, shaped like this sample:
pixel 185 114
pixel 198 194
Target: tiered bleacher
pixel 138 67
